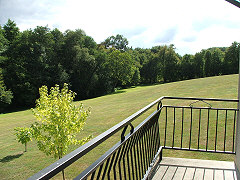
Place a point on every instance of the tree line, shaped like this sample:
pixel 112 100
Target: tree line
pixel 41 56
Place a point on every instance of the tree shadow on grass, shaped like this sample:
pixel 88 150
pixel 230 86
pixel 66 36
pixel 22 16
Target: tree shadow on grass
pixel 10 158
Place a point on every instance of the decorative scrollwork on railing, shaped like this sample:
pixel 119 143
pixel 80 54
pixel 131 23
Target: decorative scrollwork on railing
pixel 209 105
pixel 124 130
pixel 159 105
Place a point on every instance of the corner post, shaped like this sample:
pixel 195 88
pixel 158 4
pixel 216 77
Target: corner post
pixel 237 144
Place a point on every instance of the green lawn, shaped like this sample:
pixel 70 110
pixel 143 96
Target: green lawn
pixel 106 111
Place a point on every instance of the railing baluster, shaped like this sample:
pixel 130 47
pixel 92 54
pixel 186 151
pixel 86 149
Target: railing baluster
pixel 123 158
pixel 93 174
pixel 146 148
pixel 174 119
pixel 105 169
pixel 138 155
pixel 128 161
pixel 165 137
pixel 99 172
pixel 120 158
pixel 190 135
pixel 216 131
pixel 151 132
pixel 156 137
pixel 136 163
pixel 225 132
pixel 208 117
pixel 148 145
pixel 158 126
pixel 110 166
pixel 141 155
pixel 115 163
pixel 182 126
pixel 234 130
pixel 199 127
pixel 132 156
pixel 148 132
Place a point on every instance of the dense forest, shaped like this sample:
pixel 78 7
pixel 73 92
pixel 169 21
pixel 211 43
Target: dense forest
pixel 42 56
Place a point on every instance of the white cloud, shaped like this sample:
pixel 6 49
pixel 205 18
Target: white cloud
pixel 190 25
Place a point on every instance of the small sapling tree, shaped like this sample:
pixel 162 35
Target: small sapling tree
pixel 59 121
pixel 24 135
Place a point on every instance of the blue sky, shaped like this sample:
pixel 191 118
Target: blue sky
pixel 190 25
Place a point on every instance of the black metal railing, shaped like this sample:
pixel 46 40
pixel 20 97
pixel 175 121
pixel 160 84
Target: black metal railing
pixel 132 157
pixel 204 129
pixel 179 127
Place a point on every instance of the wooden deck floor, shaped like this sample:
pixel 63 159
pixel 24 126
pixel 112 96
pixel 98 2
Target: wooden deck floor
pixel 194 169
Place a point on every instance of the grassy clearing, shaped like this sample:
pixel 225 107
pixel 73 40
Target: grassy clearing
pixel 106 112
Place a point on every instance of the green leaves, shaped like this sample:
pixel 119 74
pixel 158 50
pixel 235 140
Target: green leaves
pixel 59 120
pixel 119 42
pixel 121 66
pixel 24 135
pixel 11 30
pixel 40 56
pixel 5 95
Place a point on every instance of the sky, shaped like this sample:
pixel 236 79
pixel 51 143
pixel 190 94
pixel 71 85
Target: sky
pixel 191 25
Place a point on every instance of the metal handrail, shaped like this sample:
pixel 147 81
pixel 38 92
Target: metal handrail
pixel 70 158
pixel 132 136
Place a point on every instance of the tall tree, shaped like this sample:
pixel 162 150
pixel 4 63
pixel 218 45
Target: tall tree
pixel 187 67
pixel 3 41
pixel 217 59
pixel 79 62
pixel 208 63
pixel 169 61
pixel 100 81
pixel 59 74
pixel 119 42
pixel 5 95
pixel 30 65
pixel 231 58
pixel 120 66
pixel 199 64
pixel 11 31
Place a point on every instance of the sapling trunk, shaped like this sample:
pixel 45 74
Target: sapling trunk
pixel 25 147
pixel 63 175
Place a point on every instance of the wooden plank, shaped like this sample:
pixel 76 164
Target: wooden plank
pixel 194 169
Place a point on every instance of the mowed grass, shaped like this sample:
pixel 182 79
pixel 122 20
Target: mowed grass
pixel 106 111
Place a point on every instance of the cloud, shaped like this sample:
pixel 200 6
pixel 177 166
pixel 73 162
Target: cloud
pixel 28 11
pixel 167 36
pixel 189 38
pixel 208 22
pixel 189 25
pixel 131 32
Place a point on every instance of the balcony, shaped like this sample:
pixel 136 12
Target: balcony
pixel 201 126
pixel 181 168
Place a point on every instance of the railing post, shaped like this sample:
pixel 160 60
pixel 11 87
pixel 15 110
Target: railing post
pixel 237 145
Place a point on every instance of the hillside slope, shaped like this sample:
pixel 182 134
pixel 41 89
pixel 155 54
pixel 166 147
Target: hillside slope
pixel 106 111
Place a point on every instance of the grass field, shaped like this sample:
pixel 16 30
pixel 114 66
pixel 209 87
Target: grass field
pixel 106 112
